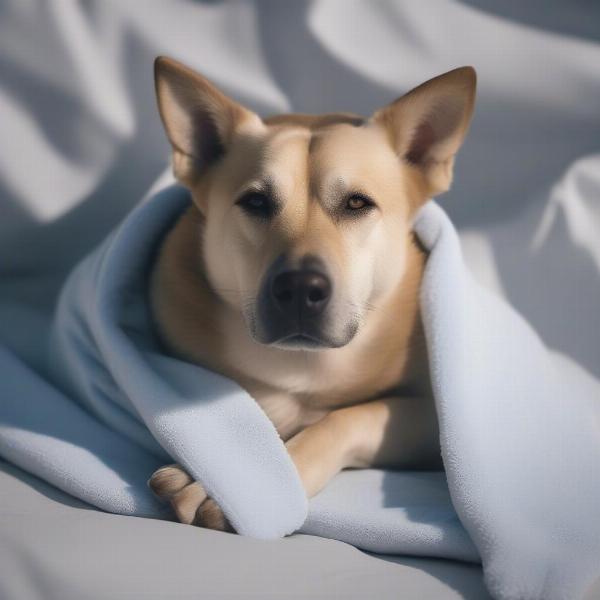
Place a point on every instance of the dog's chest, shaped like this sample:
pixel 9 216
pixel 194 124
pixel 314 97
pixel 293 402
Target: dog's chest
pixel 301 394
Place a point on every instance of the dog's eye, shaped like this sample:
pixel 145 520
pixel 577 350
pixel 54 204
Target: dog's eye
pixel 257 204
pixel 358 202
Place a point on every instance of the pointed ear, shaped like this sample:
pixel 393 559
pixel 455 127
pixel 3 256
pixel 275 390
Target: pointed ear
pixel 427 126
pixel 199 119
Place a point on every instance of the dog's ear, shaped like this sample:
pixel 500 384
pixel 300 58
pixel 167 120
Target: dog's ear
pixel 427 126
pixel 199 119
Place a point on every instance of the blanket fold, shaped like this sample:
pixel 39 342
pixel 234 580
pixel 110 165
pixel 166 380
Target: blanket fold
pixel 519 425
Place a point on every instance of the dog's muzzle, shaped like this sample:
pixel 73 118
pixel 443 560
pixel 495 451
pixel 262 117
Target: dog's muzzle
pixel 292 303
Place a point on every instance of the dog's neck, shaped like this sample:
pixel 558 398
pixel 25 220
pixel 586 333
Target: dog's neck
pixel 195 324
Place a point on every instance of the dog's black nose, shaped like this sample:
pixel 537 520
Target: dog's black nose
pixel 301 292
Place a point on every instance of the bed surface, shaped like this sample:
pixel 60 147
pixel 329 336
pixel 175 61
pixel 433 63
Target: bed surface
pixel 55 547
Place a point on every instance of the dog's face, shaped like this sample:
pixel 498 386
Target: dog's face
pixel 305 230
pixel 307 219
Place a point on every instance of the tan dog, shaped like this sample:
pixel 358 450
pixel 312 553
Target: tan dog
pixel 295 271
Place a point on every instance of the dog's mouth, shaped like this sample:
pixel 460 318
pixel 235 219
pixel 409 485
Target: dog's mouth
pixel 309 338
pixel 301 341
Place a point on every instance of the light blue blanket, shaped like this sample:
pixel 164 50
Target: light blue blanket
pixel 520 426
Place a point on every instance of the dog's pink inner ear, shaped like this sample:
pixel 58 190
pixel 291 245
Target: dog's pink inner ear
pixel 437 137
pixel 428 125
pixel 207 143
pixel 199 119
pixel 422 140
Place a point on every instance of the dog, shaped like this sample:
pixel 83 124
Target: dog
pixel 296 273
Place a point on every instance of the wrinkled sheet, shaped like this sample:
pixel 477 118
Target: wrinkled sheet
pixel 53 547
pixel 80 141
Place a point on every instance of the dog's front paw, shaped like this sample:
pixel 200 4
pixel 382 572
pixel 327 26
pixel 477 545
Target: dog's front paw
pixel 188 498
pixel 173 484
pixel 210 515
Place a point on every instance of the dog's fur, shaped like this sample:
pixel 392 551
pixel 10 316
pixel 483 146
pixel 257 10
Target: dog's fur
pixel 338 193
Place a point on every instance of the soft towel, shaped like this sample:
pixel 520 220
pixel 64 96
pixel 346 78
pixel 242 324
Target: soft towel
pixel 520 426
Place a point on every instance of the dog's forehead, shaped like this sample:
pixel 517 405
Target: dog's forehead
pixel 286 147
pixel 328 156
pixel 354 152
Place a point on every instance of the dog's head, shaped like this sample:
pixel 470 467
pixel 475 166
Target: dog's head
pixel 307 219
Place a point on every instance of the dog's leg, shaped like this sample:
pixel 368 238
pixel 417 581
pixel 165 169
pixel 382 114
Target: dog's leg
pixel 391 432
pixel 394 432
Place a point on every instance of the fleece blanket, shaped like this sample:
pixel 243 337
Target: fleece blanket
pixel 520 425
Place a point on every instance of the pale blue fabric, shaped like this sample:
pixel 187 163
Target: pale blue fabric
pixel 520 437
pixel 520 426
